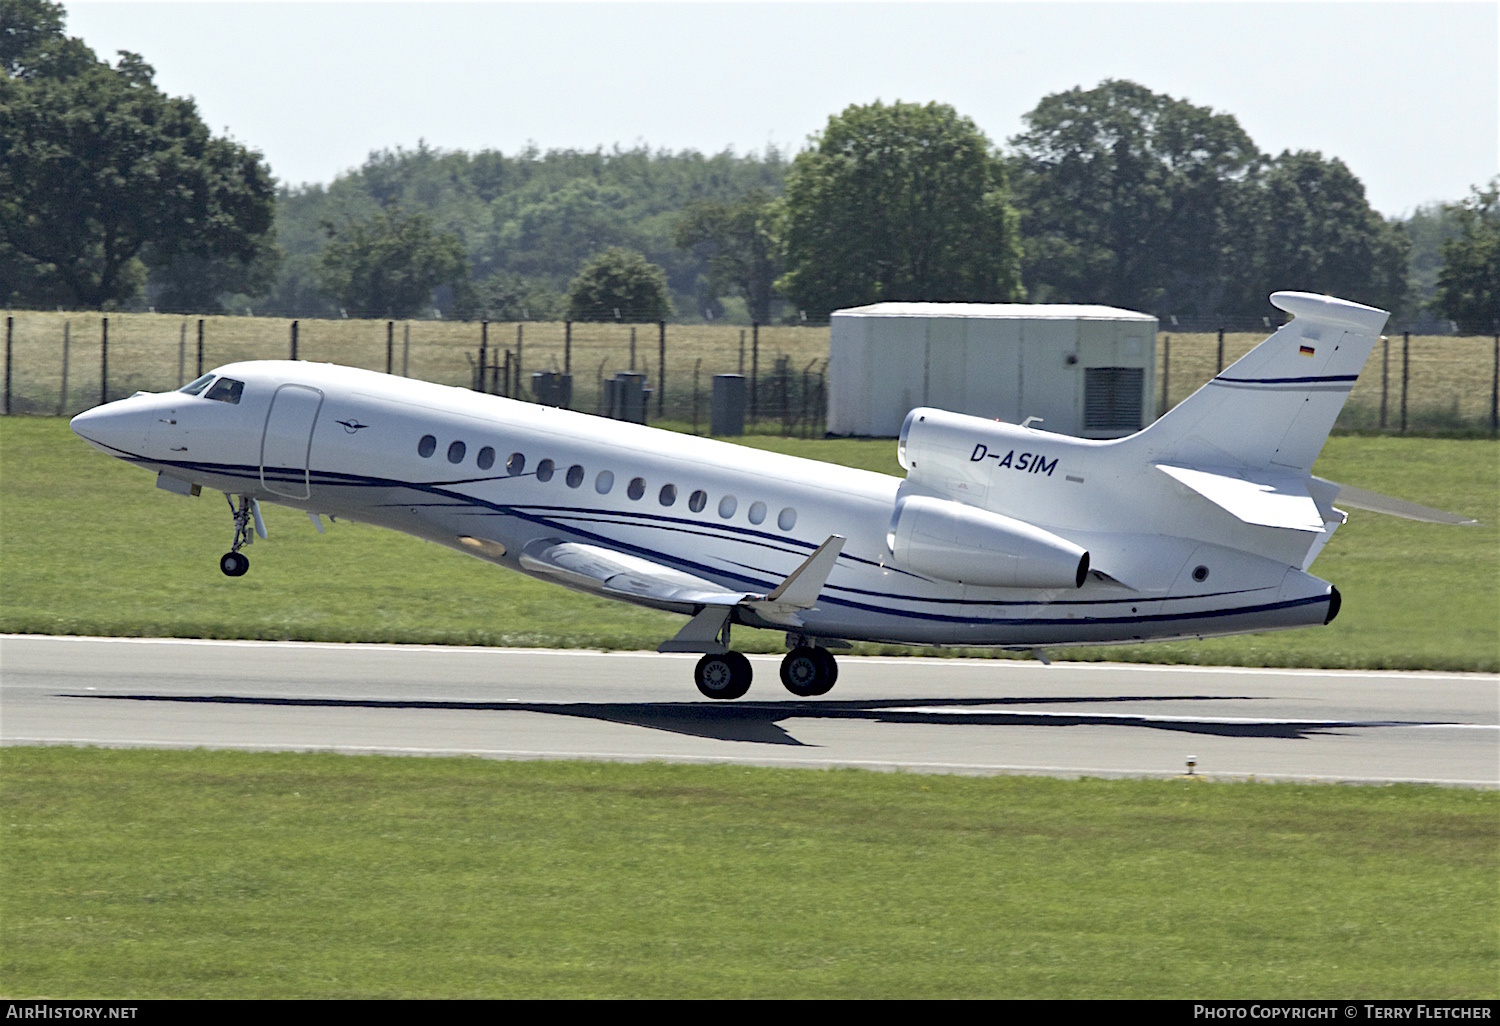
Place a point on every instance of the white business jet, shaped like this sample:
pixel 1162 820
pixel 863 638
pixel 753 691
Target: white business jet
pixel 1202 524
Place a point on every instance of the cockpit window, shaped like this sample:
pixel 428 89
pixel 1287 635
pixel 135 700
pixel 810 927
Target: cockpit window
pixel 226 390
pixel 194 387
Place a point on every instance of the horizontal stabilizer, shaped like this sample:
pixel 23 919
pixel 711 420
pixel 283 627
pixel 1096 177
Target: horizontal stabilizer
pixel 1374 502
pixel 618 573
pixel 1268 500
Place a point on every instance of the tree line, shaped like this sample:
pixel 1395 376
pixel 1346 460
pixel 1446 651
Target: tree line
pixel 115 195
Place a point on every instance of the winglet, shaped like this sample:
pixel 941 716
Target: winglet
pixel 802 588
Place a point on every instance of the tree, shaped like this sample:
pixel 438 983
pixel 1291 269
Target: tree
pixel 738 241
pixel 1468 287
pixel 1314 231
pixel 898 202
pixel 388 266
pixel 99 170
pixel 1130 198
pixel 619 285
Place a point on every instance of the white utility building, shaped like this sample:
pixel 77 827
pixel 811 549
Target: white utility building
pixel 1088 371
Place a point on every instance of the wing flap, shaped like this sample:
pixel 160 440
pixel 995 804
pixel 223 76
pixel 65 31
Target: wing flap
pixel 1267 500
pixel 619 573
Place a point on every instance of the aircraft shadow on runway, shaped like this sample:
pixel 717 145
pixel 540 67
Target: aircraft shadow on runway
pixel 760 722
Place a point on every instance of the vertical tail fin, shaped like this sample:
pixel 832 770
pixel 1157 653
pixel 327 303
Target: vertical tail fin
pixel 1273 408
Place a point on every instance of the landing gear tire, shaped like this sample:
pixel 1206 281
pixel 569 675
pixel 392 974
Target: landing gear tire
pixel 234 564
pixel 724 676
pixel 808 672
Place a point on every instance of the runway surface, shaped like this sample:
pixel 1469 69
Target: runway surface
pixel 928 715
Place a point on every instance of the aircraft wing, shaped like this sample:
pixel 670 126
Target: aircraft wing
pixel 1269 500
pixel 617 573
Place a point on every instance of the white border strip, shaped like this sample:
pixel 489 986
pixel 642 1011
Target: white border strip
pixel 883 765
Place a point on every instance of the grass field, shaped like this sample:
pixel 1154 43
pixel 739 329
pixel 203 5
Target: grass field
pixel 1449 386
pixel 144 874
pixel 88 546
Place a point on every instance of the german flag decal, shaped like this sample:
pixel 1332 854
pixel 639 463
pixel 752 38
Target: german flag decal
pixel 1306 350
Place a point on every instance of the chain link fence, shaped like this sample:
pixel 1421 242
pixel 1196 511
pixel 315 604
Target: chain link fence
pixel 60 363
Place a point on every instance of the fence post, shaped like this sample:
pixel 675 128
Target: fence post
pixel 1385 375
pixel 181 353
pixel 1405 371
pixel 661 367
pixel 294 340
pixel 507 375
pixel 200 348
pixel 1495 390
pixel 632 349
pixel 390 346
pixel 1166 372
pixel 406 350
pixel 62 393
pixel 519 393
pixel 103 360
pixel 754 368
pixel 567 347
pixel 697 365
pixel 742 351
pixel 10 327
pixel 1221 348
pixel 484 351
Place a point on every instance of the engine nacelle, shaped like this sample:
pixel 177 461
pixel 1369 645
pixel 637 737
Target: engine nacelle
pixel 968 545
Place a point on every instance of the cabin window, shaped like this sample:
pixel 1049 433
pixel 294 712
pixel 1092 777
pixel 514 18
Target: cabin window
pixel 727 506
pixel 197 385
pixel 544 470
pixel 226 390
pixel 486 458
pixel 786 519
pixel 516 464
pixel 575 476
pixel 757 512
pixel 668 494
pixel 604 482
pixel 698 500
pixel 427 446
pixel 637 487
pixel 456 452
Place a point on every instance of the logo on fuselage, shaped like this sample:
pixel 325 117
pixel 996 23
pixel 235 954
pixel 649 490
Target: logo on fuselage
pixel 1026 462
pixel 351 426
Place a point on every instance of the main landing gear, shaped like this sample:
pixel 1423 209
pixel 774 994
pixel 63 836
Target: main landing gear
pixel 723 676
pixel 806 671
pixel 234 563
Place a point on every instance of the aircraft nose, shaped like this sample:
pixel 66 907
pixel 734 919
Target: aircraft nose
pixel 117 427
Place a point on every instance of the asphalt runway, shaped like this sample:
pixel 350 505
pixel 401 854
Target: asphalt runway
pixel 921 715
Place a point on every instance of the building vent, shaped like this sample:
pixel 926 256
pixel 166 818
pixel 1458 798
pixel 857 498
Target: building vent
pixel 1112 398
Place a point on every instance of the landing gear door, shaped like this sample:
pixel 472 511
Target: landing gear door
pixel 286 445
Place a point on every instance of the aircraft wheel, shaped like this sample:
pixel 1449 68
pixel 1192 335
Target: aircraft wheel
pixel 829 674
pixel 724 676
pixel 803 673
pixel 234 564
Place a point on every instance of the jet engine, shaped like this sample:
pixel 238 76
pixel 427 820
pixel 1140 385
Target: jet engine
pixel 968 545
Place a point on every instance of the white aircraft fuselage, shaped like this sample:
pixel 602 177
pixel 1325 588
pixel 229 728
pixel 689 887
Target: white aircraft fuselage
pixel 1000 535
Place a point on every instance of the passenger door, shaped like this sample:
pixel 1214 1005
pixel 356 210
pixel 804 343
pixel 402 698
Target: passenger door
pixel 286 445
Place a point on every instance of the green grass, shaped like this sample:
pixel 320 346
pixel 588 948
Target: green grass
pixel 88 546
pixel 223 874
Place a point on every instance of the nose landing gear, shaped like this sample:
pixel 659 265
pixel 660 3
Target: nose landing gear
pixel 234 563
pixel 808 671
